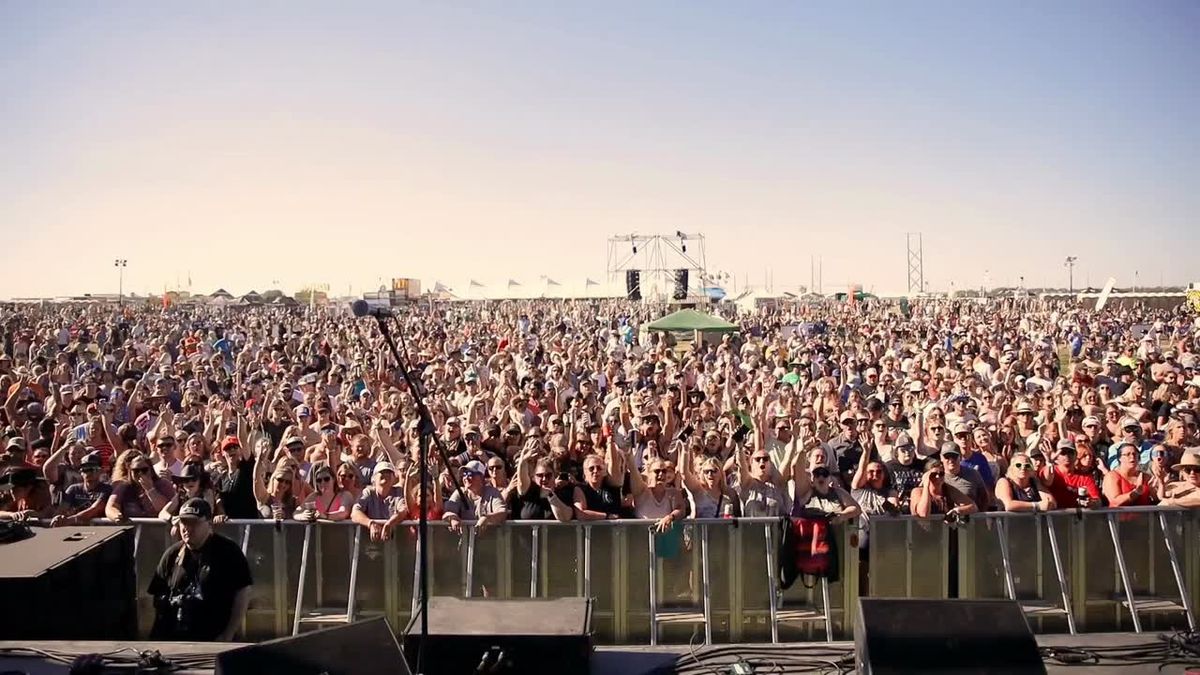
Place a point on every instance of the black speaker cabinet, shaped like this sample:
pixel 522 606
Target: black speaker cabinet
pixel 86 572
pixel 534 636
pixel 633 284
pixel 360 648
pixel 942 636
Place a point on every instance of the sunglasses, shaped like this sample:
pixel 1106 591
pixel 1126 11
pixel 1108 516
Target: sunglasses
pixel 761 459
pixel 89 469
pixel 937 474
pixel 1022 465
pixel 543 475
pixel 1187 469
pixel 324 479
pixel 820 474
pixel 141 469
pixel 936 428
pixel 594 469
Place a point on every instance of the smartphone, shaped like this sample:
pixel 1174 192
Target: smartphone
pixel 685 433
pixel 740 434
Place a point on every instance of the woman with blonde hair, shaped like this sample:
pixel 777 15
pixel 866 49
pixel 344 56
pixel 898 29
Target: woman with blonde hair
pixel 1018 488
pixel 705 485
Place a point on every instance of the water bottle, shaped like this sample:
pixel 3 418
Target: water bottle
pixel 1082 498
pixel 727 510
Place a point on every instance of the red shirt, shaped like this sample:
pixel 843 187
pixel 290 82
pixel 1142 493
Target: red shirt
pixel 1065 488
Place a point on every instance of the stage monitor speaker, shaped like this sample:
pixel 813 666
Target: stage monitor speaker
pixel 360 648
pixel 88 570
pixel 633 284
pixel 531 637
pixel 681 285
pixel 961 636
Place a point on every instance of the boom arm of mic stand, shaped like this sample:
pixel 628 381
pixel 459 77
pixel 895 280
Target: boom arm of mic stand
pixel 426 427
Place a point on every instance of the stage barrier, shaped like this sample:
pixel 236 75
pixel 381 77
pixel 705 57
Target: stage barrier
pixel 715 580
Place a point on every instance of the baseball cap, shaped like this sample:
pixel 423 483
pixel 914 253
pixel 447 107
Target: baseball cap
pixel 951 449
pixel 916 386
pixel 380 467
pixel 230 442
pixel 1024 407
pixel 303 411
pixel 92 459
pixel 1091 421
pixel 474 466
pixel 1065 444
pixel 1127 422
pixel 846 415
pixel 194 508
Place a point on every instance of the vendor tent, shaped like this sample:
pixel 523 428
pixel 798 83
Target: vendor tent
pixel 691 320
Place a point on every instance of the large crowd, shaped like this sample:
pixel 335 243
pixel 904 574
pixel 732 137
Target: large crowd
pixel 573 411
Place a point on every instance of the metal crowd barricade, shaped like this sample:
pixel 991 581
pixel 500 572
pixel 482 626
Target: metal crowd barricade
pixel 1073 571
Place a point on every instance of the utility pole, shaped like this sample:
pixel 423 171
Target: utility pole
pixel 1069 263
pixel 120 263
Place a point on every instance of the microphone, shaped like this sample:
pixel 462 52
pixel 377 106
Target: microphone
pixel 360 308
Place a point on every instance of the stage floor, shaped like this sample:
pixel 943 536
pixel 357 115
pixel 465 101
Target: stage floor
pixel 626 660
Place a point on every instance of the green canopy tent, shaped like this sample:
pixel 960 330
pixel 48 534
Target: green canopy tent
pixel 691 320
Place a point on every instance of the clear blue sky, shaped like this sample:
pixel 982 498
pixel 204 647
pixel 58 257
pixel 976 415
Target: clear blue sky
pixel 284 143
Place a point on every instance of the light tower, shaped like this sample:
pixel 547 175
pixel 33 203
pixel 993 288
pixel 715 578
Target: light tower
pixel 120 263
pixel 1069 263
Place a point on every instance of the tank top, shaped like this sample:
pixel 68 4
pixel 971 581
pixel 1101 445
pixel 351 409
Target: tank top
pixel 1024 494
pixel 647 506
pixel 1126 487
pixel 705 504
pixel 323 508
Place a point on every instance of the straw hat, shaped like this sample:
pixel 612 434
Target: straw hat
pixel 1190 458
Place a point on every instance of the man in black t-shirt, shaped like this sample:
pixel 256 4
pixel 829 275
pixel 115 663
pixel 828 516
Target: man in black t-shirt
pixel 202 585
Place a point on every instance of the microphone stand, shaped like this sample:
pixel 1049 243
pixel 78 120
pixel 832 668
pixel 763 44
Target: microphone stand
pixel 427 430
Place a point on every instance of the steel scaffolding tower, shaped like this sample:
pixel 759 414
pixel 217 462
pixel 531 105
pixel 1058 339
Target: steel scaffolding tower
pixel 916 267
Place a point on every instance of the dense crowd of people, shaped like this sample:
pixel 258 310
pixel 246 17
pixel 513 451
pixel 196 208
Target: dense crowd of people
pixel 573 411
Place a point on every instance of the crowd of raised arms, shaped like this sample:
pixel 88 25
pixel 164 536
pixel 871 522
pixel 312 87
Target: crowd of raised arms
pixel 572 411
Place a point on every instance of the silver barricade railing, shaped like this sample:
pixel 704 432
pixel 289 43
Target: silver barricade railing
pixel 1096 570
